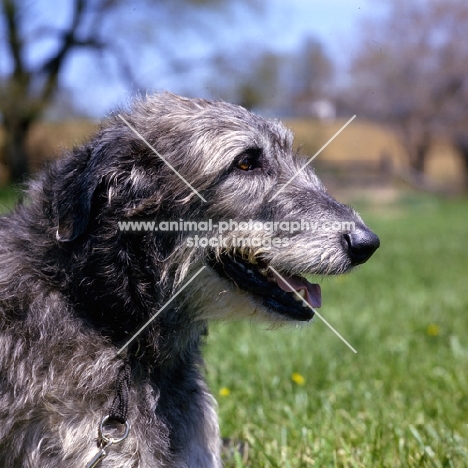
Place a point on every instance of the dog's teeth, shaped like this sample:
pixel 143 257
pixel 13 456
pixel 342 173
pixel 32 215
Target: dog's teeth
pixel 301 293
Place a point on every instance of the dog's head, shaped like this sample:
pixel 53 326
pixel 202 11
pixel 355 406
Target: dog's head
pixel 241 202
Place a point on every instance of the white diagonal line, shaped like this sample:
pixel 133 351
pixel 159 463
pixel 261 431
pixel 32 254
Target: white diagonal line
pixel 315 312
pixel 157 154
pixel 312 158
pixel 161 309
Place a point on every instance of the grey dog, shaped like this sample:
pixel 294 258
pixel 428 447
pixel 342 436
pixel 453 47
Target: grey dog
pixel 76 283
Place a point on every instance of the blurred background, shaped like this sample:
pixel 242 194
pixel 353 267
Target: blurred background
pixel 300 398
pixel 399 66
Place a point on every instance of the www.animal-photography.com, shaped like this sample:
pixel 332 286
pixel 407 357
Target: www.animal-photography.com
pixel 232 234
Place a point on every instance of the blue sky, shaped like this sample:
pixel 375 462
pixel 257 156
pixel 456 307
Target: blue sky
pixel 333 21
pixel 277 25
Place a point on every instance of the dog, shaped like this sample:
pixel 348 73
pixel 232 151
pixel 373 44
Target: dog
pixel 102 322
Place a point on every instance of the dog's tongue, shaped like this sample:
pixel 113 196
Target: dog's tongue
pixel 313 292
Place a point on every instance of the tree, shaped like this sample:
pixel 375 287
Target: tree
pixel 410 73
pixel 313 73
pixel 28 85
pixel 283 82
pixel 27 91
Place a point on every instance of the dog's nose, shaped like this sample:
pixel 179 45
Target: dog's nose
pixel 361 244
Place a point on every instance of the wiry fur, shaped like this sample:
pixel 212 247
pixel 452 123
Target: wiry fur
pixel 73 288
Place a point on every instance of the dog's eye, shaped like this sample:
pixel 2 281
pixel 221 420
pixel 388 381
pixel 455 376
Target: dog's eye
pixel 245 164
pixel 249 160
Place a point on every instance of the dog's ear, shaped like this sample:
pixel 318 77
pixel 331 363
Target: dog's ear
pixel 74 193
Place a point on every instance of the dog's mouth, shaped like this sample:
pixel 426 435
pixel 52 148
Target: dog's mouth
pixel 277 291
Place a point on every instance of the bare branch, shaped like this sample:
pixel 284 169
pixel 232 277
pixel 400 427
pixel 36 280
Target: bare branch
pixel 11 14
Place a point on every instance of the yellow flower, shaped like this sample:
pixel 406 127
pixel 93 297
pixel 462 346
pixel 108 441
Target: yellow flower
pixel 224 391
pixel 433 329
pixel 297 378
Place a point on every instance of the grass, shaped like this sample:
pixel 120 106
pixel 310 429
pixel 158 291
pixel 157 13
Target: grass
pixel 298 397
pixel 402 400
pixel 8 197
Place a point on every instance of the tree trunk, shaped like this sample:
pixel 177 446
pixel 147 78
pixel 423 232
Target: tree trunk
pixel 417 161
pixel 417 144
pixel 419 158
pixel 15 151
pixel 465 169
pixel 461 143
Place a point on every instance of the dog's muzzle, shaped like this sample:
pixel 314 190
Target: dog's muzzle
pixel 360 245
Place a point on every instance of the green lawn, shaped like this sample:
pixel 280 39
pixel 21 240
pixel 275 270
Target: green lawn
pixel 8 197
pixel 402 400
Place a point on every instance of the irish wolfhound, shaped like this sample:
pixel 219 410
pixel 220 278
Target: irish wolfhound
pixel 77 283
